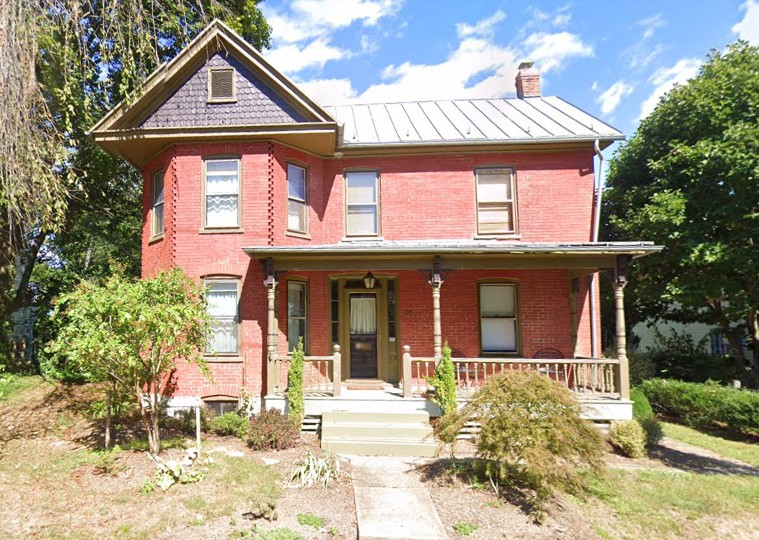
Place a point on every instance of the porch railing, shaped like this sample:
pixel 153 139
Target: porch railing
pixel 321 374
pixel 591 376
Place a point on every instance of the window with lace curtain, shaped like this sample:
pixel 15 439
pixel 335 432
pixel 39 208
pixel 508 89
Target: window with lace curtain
pixel 223 336
pixel 222 193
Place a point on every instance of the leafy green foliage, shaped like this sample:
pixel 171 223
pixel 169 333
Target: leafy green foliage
pixel 679 356
pixel 187 418
pixel 310 470
pixel 641 367
pixel 311 520
pixel 705 405
pixel 295 402
pixel 230 423
pixel 653 429
pixel 532 435
pixel 132 334
pixel 279 534
pixel 271 430
pixel 641 406
pixel 687 179
pixel 628 438
pixel 444 382
pixel 464 528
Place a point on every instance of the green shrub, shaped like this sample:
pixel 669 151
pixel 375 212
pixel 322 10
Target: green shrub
pixel 230 423
pixel 464 528
pixel 532 436
pixel 641 367
pixel 641 406
pixel 444 382
pixel 271 430
pixel 653 429
pixel 186 419
pixel 295 401
pixel 310 470
pixel 705 405
pixel 311 520
pixel 629 438
pixel 679 356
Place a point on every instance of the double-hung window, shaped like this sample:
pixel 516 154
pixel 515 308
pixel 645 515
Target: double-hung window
pixel 158 203
pixel 495 201
pixel 222 299
pixel 296 199
pixel 362 203
pixel 222 204
pixel 498 317
pixel 296 314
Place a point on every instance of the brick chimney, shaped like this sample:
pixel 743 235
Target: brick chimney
pixel 528 81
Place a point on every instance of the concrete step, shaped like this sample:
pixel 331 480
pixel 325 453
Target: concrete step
pixel 374 447
pixel 378 434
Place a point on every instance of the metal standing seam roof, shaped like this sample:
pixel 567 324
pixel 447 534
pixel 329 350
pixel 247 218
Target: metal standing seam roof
pixel 518 120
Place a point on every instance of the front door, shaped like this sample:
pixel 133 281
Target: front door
pixel 362 314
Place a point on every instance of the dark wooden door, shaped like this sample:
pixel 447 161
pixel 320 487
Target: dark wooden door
pixel 363 335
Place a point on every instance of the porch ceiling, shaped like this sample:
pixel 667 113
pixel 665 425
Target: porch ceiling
pixel 372 255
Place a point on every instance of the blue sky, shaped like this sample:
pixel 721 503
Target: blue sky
pixel 613 59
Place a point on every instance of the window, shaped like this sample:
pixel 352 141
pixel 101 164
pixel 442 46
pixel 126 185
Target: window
pixel 222 307
pixel 296 314
pixel 222 193
pixel 498 318
pixel 221 405
pixel 361 204
pixel 495 201
pixel 221 85
pixel 296 199
pixel 158 203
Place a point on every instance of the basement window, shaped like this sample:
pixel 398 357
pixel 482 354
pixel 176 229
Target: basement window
pixel 221 405
pixel 221 85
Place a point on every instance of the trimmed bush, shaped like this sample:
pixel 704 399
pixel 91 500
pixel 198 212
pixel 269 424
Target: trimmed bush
pixel 641 406
pixel 705 405
pixel 295 400
pixel 444 382
pixel 629 438
pixel 653 429
pixel 230 423
pixel 532 435
pixel 272 430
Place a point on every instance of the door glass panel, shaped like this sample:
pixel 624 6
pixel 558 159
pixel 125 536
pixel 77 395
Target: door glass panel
pixel 363 315
pixel 363 336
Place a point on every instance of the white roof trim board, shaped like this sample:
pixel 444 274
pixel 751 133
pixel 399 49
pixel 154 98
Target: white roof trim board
pixel 469 121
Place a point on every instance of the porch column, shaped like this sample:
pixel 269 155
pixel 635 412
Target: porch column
pixel 272 374
pixel 620 280
pixel 436 281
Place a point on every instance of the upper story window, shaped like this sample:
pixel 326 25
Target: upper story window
pixel 297 205
pixel 221 85
pixel 498 317
pixel 362 203
pixel 222 296
pixel 495 201
pixel 158 203
pixel 222 193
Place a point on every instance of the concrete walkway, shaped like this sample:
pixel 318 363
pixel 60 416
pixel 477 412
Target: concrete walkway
pixel 391 501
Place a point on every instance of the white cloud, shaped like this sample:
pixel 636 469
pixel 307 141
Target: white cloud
pixel 610 99
pixel 329 91
pixel 664 79
pixel 551 51
pixel 642 53
pixel 748 27
pixel 293 58
pixel 480 28
pixel 650 25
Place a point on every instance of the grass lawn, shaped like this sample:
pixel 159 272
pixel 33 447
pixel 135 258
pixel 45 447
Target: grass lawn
pixel 745 452
pixel 14 385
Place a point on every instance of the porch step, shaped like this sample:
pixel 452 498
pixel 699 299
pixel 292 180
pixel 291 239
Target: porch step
pixel 378 434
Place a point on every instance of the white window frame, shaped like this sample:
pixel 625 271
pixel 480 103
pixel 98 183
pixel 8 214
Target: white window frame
pixel 237 194
pixel 155 222
pixel 375 204
pixel 509 204
pixel 304 317
pixel 295 200
pixel 209 283
pixel 514 318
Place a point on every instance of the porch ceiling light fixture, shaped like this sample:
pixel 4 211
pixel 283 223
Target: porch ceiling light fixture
pixel 369 280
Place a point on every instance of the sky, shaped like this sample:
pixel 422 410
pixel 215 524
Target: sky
pixel 614 59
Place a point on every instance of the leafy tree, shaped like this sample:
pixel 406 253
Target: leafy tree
pixel 132 334
pixel 688 180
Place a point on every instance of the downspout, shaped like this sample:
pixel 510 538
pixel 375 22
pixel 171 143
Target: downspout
pixel 594 337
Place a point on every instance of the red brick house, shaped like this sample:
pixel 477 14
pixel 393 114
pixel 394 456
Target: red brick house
pixel 373 232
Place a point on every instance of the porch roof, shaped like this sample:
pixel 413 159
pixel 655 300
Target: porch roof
pixel 455 254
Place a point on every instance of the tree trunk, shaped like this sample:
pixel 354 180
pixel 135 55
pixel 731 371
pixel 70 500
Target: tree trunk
pixel 108 419
pixel 30 254
pixel 735 339
pixel 752 376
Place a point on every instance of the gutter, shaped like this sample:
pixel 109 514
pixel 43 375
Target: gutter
pixel 594 337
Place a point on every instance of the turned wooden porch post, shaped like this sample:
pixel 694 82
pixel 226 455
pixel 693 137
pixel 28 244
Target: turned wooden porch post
pixel 620 280
pixel 436 281
pixel 272 371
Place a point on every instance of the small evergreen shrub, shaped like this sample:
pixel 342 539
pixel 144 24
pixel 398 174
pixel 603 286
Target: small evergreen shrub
pixel 641 406
pixel 444 382
pixel 629 438
pixel 230 423
pixel 653 429
pixel 705 405
pixel 296 405
pixel 187 419
pixel 532 436
pixel 271 430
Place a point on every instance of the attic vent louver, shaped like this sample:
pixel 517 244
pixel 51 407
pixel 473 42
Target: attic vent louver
pixel 221 85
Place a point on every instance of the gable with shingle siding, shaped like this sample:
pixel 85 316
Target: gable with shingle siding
pixel 256 104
